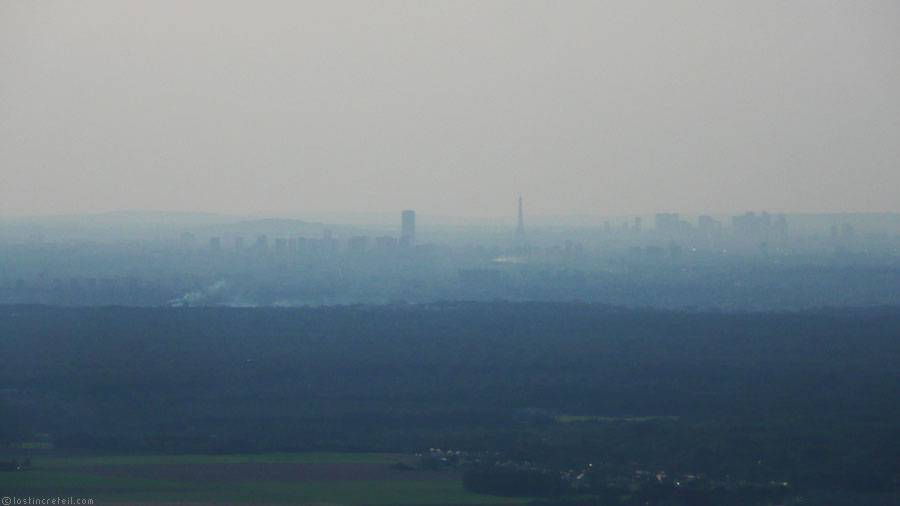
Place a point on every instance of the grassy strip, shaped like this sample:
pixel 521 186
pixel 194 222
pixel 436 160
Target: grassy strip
pixel 58 475
pixel 373 492
pixel 119 489
pixel 37 480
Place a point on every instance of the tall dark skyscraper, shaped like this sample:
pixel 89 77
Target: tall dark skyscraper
pixel 520 228
pixel 408 230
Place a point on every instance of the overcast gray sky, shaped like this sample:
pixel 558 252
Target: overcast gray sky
pixel 450 108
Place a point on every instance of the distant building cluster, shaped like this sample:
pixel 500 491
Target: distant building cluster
pixel 326 244
pixel 749 224
pixel 666 240
pixel 671 223
pixel 760 225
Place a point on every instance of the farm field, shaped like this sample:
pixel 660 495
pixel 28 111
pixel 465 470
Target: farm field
pixel 276 478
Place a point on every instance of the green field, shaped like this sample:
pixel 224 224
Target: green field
pixel 99 478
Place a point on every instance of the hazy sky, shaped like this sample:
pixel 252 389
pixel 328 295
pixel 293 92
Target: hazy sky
pixel 450 108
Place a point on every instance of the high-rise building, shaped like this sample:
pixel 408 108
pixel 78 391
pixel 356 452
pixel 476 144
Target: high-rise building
pixel 706 223
pixel 747 224
pixel 408 227
pixel 262 242
pixel 520 228
pixel 751 224
pixel 667 222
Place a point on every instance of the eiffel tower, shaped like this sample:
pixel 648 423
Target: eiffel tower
pixel 520 229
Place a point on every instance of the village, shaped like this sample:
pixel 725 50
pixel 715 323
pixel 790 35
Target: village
pixel 600 483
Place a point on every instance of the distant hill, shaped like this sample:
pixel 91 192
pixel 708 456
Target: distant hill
pixel 273 227
pixel 108 227
pixel 170 218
